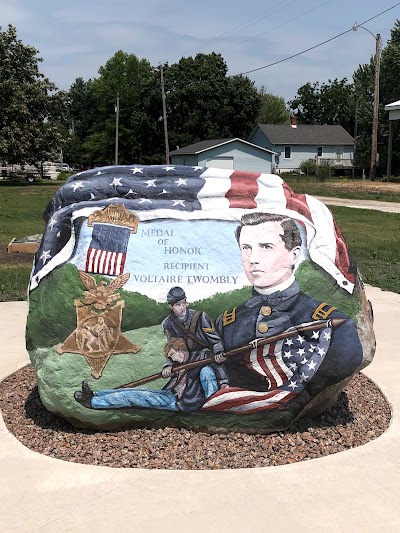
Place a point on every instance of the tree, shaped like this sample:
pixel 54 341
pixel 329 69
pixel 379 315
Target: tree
pixel 328 103
pixel 31 109
pixel 273 109
pixel 363 79
pixel 135 83
pixel 389 92
pixel 390 64
pixel 204 103
pixel 307 104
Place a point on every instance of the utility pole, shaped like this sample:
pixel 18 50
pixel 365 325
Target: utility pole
pixel 164 115
pixel 116 129
pixel 374 144
pixel 375 118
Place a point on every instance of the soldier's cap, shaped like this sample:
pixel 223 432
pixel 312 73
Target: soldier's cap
pixel 176 294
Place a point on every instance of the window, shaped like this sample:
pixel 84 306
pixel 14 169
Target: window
pixel 319 151
pixel 288 152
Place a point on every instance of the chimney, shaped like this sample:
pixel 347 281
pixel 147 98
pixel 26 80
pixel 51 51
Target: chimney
pixel 293 122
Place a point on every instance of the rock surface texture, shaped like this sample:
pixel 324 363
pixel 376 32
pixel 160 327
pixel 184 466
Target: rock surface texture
pixel 193 297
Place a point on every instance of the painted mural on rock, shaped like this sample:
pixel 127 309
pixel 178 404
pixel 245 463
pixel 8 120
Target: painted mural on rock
pixel 193 296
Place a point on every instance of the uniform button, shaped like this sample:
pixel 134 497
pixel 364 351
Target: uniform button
pixel 262 328
pixel 266 310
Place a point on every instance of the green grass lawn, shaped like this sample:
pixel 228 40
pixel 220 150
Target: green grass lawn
pixel 373 238
pixel 22 206
pixel 372 235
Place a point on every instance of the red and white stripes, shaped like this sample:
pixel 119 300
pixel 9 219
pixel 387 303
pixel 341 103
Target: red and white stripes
pixel 103 262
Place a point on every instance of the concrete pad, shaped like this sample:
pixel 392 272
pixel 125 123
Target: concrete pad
pixel 355 491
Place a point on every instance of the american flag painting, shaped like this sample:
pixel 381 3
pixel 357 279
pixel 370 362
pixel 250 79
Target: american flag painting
pixel 107 250
pixel 199 191
pixel 287 365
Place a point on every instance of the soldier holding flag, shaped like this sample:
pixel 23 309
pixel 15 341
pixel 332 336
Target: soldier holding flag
pixel 270 247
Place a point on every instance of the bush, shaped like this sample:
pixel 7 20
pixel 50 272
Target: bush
pixel 308 167
pixel 324 171
pixel 391 179
pixel 64 175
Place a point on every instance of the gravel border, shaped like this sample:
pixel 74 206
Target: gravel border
pixel 361 414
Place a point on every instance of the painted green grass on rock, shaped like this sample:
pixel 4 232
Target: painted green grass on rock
pixel 60 376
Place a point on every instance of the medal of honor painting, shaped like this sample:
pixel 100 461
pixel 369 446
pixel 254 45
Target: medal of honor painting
pixel 191 296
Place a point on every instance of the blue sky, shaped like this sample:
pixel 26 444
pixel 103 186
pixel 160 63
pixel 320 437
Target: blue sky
pixel 77 37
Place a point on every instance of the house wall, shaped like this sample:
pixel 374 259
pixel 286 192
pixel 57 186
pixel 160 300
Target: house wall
pixel 299 152
pixel 236 155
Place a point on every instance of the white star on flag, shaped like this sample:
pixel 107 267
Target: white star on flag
pixel 303 377
pixel 92 196
pixel 136 170
pixel 45 256
pixel 289 342
pixel 300 339
pixel 59 234
pixel 303 361
pixel 293 385
pixel 180 181
pixel 116 181
pixel 288 355
pixel 315 335
pixel 77 185
pixel 197 168
pixel 163 192
pixel 301 351
pixel 130 192
pixel 169 168
pixel 311 348
pixel 321 352
pixel 311 365
pixel 150 183
pixel 98 173
pixel 51 223
pixel 145 201
pixel 327 335
pixel 178 202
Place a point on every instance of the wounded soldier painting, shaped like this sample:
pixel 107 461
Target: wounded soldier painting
pixel 193 297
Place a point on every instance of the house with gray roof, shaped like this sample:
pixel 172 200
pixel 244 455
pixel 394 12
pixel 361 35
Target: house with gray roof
pixel 235 154
pixel 296 143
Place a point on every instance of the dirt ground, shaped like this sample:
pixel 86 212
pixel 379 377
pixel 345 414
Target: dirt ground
pixel 16 258
pixel 367 186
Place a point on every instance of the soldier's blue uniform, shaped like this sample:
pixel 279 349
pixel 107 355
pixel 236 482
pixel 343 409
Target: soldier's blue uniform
pixel 264 316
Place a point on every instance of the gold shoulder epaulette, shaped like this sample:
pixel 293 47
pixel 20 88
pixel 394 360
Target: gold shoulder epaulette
pixel 229 316
pixel 322 311
pixel 209 330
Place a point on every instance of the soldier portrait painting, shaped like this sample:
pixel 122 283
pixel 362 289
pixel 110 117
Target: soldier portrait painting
pixel 270 246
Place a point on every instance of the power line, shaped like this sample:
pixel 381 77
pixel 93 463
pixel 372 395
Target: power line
pixel 317 45
pixel 249 22
pixel 283 23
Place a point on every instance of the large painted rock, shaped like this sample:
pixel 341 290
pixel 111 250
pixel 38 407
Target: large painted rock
pixel 193 297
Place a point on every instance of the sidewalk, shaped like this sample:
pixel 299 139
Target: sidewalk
pixel 353 491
